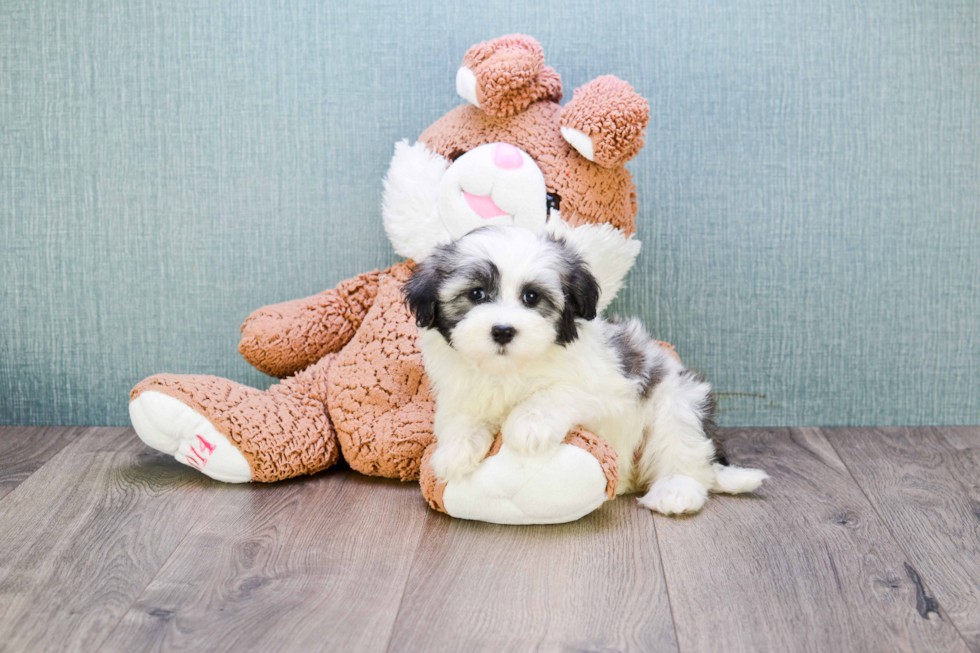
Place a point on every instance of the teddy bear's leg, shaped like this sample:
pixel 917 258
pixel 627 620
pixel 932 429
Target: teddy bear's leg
pixel 379 439
pixel 235 433
pixel 507 488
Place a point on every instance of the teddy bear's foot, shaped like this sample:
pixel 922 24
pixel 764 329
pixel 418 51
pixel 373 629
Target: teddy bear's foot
pixel 559 486
pixel 170 426
pixel 280 433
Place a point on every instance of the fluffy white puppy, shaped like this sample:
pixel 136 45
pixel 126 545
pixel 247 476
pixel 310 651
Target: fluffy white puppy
pixel 512 343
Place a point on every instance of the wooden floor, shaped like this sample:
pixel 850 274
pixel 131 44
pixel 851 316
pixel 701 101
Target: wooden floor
pixel 864 540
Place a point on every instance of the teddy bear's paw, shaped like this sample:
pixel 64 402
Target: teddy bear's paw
pixel 675 495
pixel 170 426
pixel 509 488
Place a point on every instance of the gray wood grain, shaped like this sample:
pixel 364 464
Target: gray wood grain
pixel 594 584
pixel 110 546
pixel 925 483
pixel 805 566
pixel 306 565
pixel 84 535
pixel 23 449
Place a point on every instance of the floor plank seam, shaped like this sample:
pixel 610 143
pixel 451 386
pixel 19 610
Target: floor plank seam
pixel 115 626
pixel 408 577
pixel 898 542
pixel 663 574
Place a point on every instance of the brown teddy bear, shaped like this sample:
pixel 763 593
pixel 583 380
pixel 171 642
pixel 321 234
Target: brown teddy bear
pixel 353 382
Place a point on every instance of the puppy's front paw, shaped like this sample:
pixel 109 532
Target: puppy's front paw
pixel 531 433
pixel 454 460
pixel 675 495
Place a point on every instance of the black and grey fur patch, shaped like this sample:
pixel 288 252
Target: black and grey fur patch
pixel 422 291
pixel 549 303
pixel 708 410
pixel 635 350
pixel 581 293
pixel 476 275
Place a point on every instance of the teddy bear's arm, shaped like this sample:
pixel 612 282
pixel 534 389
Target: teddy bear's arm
pixel 284 338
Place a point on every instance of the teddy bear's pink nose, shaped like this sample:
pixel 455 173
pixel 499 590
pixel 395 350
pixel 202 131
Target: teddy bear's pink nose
pixel 507 157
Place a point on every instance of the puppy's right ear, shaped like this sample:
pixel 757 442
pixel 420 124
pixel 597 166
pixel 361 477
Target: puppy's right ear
pixel 422 293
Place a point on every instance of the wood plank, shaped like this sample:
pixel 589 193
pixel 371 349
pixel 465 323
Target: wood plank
pixel 84 535
pixel 594 584
pixel 23 449
pixel 925 483
pixel 311 564
pixel 807 565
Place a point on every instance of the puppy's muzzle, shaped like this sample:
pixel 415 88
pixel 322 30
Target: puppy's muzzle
pixel 502 334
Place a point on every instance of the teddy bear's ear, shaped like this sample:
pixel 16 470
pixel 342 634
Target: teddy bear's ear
pixel 605 121
pixel 505 75
pixel 408 205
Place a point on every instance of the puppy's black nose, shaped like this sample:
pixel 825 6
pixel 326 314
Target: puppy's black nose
pixel 502 334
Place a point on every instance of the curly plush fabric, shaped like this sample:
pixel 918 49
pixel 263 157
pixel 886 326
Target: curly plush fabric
pixel 378 392
pixel 588 193
pixel 284 338
pixel 433 489
pixel 510 74
pixel 282 432
pixel 609 111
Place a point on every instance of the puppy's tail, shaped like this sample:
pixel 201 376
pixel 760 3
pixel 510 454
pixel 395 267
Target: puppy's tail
pixel 730 479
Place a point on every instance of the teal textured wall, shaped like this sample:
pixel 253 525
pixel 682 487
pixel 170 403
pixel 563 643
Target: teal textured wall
pixel 809 193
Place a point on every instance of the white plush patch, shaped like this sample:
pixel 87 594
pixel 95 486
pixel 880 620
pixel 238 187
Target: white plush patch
pixel 580 141
pixel 466 85
pixel 428 202
pixel 514 194
pixel 561 486
pixel 609 252
pixel 170 426
pixel 409 206
pixel 736 480
pixel 675 495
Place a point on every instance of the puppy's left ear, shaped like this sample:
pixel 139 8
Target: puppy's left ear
pixel 422 293
pixel 581 290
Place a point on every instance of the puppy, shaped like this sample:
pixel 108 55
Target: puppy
pixel 511 343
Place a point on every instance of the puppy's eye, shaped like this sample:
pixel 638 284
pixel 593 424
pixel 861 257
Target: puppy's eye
pixel 477 295
pixel 530 298
pixel 554 202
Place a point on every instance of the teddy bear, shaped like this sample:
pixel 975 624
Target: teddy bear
pixel 353 384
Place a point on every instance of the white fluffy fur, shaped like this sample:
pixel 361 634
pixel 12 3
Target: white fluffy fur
pixel 534 391
pixel 409 205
